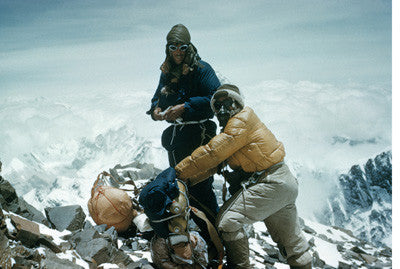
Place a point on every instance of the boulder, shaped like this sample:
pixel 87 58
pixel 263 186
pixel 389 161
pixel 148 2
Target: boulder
pixel 3 241
pixel 7 194
pixel 11 202
pixel 98 249
pixel 52 261
pixel 83 236
pixel 69 218
pixel 343 265
pixel 27 231
pixel 369 259
pixel 48 242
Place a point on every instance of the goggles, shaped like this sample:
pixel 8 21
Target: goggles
pixel 226 103
pixel 181 47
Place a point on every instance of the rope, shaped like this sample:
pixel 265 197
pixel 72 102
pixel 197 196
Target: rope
pixel 179 122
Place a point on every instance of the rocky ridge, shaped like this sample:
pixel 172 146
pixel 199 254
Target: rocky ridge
pixel 66 238
pixel 363 202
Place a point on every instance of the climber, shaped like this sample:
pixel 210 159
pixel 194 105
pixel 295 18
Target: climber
pixel 265 191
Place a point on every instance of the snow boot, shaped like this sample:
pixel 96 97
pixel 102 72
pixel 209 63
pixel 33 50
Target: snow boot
pixel 301 261
pixel 237 253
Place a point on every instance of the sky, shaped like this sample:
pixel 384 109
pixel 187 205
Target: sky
pixel 63 46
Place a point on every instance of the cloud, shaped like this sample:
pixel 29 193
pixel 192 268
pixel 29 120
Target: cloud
pixel 102 44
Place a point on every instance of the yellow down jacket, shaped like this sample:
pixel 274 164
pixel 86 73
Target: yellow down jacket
pixel 245 143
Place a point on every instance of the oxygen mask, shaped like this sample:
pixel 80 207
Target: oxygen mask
pixel 225 108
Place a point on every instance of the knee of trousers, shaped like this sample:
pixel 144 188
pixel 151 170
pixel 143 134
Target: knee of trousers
pixel 229 225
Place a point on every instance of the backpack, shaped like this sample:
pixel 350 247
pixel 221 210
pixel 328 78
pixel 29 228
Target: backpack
pixel 110 205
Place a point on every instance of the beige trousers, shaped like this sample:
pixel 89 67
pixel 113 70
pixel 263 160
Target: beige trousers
pixel 271 200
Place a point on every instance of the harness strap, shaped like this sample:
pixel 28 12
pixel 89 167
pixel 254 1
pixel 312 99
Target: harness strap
pixel 179 122
pixel 213 234
pixel 254 178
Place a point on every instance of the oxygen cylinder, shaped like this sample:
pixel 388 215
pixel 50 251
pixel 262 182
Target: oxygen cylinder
pixel 179 206
pixel 177 225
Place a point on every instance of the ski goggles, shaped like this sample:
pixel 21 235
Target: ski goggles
pixel 181 47
pixel 226 103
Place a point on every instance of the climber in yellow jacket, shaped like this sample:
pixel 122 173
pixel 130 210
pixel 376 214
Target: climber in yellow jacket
pixel 262 186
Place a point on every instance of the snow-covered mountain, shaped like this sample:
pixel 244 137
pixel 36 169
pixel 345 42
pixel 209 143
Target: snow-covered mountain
pixel 66 237
pixel 53 147
pixel 363 201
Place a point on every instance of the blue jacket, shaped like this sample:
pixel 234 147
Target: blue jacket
pixel 194 89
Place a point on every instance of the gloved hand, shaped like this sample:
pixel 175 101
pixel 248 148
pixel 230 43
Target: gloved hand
pixel 235 178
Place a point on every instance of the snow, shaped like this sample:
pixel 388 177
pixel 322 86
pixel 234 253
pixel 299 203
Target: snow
pixel 328 252
pixel 56 235
pixel 139 254
pixel 10 226
pixel 74 257
pixel 334 234
pixel 17 165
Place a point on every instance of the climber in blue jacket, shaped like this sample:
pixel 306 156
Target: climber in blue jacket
pixel 183 99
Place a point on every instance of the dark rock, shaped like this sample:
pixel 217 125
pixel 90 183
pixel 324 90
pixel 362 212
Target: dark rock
pixel 3 241
pixel 271 251
pixel 112 235
pixel 116 178
pixel 83 236
pixel 135 246
pixel 27 211
pixel 52 261
pixel 340 247
pixel 311 242
pixel 379 171
pixel 281 258
pixel 351 255
pixel 64 246
pixel 126 249
pixel 22 262
pixel 142 264
pixel 380 264
pixel 326 266
pixel 356 189
pixel 3 232
pixel 101 228
pixel 387 252
pixel 309 230
pixel 92 263
pixel 271 261
pixel 98 249
pixel 358 250
pixel 323 237
pixel 46 241
pixel 301 222
pixel 119 257
pixel 27 231
pixel 316 261
pixel 66 217
pixel 346 231
pixel 87 225
pixel 11 202
pixel 362 186
pixel 8 194
pixel 147 171
pixel 343 265
pixel 369 259
pixel 143 245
